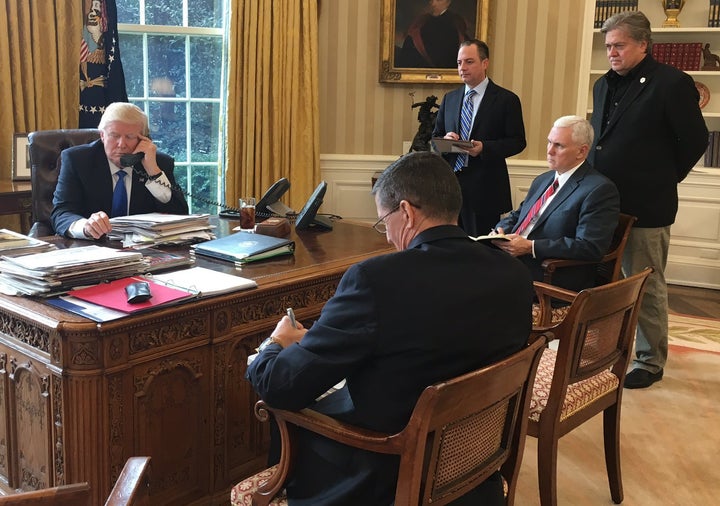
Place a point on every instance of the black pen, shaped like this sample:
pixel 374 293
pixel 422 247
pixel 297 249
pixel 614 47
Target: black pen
pixel 291 315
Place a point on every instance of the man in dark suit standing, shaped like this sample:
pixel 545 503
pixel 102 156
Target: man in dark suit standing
pixel 494 125
pixel 441 306
pixel 649 134
pixel 89 175
pixel 574 219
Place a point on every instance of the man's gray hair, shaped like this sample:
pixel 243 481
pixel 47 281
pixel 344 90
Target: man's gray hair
pixel 635 23
pixel 125 112
pixel 582 130
pixel 426 181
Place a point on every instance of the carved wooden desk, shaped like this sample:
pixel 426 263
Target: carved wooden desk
pixel 78 398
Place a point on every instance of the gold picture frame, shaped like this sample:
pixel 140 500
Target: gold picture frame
pixel 21 158
pixel 401 23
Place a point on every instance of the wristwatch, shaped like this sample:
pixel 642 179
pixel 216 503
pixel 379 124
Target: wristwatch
pixel 153 178
pixel 267 342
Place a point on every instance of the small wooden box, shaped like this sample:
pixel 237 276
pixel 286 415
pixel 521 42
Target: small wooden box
pixel 276 227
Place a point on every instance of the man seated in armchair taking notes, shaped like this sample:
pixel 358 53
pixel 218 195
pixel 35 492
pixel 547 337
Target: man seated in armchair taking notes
pixel 92 185
pixel 570 212
pixel 441 306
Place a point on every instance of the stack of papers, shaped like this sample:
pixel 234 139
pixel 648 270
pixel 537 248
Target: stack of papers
pixel 13 244
pixel 58 271
pixel 159 228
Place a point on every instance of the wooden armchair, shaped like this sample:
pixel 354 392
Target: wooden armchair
pixel 609 269
pixel 44 148
pixel 585 375
pixel 131 489
pixel 460 432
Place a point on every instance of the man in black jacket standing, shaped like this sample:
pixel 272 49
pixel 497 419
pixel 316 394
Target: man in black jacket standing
pixel 649 134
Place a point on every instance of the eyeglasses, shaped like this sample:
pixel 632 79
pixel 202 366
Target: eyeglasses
pixel 380 225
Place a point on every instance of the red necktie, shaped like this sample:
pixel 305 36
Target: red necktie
pixel 535 209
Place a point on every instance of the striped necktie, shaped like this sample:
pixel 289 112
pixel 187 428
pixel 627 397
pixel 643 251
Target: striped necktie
pixel 466 117
pixel 119 200
pixel 535 209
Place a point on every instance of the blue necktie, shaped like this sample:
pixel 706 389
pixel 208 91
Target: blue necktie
pixel 120 200
pixel 466 117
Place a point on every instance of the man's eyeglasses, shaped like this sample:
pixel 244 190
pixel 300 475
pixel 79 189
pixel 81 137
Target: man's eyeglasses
pixel 380 225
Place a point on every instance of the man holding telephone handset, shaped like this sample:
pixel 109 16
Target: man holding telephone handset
pixel 87 193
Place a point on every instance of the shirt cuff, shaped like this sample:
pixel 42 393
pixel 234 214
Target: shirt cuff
pixel 160 188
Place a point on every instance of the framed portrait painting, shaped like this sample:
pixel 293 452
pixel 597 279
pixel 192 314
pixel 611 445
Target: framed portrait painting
pixel 21 158
pixel 420 38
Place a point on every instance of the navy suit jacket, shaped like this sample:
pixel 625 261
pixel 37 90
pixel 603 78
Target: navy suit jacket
pixel 396 324
pixel 499 125
pixel 85 186
pixel 651 142
pixel 578 224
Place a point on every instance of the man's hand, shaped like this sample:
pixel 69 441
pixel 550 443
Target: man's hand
pixel 149 162
pixel 285 334
pixel 474 151
pixel 516 246
pixel 97 225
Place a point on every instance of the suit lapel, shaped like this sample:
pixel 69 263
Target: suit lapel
pixel 485 105
pixel 637 87
pixel 563 194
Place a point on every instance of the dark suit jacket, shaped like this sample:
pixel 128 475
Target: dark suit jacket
pixel 396 324
pixel 499 125
pixel 85 186
pixel 578 224
pixel 652 141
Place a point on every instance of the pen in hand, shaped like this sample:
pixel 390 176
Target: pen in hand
pixel 291 315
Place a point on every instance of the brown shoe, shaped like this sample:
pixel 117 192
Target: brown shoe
pixel 640 378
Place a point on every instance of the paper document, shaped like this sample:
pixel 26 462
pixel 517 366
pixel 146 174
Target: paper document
pixel 203 281
pixel 498 237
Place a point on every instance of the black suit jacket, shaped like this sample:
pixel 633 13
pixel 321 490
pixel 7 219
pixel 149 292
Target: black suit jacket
pixel 652 140
pixel 396 324
pixel 85 186
pixel 578 224
pixel 499 125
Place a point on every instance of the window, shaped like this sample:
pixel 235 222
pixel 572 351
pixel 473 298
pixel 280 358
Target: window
pixel 174 57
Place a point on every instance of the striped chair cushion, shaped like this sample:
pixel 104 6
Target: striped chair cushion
pixel 241 494
pixel 579 395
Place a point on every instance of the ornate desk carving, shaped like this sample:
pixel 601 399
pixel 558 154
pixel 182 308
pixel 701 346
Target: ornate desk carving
pixel 78 398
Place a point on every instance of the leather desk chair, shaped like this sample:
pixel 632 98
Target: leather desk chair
pixel 45 147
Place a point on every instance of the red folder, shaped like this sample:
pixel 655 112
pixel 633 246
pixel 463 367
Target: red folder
pixel 113 296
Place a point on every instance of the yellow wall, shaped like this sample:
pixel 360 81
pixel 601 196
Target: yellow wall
pixel 534 51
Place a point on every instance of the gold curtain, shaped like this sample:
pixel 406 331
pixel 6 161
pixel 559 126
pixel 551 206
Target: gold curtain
pixel 272 107
pixel 39 48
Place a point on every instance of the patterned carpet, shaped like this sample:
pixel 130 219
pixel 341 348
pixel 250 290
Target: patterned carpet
pixel 694 332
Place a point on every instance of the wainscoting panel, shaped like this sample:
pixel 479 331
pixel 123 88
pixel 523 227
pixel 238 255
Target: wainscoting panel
pixel 694 258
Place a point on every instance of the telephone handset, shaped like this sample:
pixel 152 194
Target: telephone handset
pixel 268 206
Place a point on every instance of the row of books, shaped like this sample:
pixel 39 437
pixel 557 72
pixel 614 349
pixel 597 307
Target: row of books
pixel 681 55
pixel 606 8
pixel 714 14
pixel 712 153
